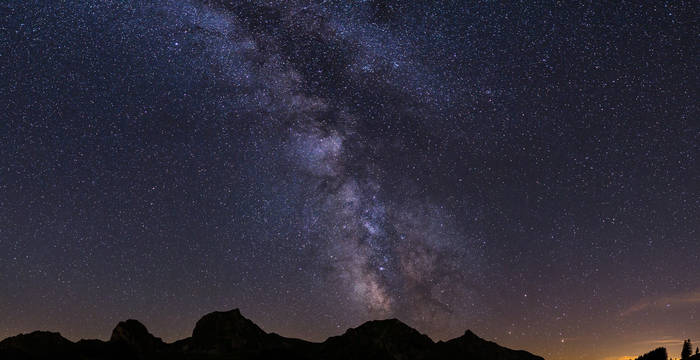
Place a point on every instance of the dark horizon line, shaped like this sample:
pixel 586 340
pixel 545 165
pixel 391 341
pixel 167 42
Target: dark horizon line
pixel 467 331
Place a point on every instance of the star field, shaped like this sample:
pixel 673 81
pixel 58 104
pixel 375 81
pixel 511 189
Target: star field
pixel 525 170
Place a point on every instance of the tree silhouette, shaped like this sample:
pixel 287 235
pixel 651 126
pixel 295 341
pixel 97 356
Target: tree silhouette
pixel 658 354
pixel 687 349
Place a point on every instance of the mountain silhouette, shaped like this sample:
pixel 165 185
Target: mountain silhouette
pixel 225 332
pixel 379 339
pixel 134 336
pixel 470 346
pixel 229 335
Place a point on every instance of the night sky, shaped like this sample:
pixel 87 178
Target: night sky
pixel 526 170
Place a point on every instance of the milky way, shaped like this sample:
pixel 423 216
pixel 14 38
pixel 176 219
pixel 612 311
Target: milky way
pixel 402 256
pixel 525 170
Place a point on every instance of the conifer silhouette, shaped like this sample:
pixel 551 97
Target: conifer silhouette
pixel 687 349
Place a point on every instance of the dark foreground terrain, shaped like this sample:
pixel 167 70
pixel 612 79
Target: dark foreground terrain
pixel 229 335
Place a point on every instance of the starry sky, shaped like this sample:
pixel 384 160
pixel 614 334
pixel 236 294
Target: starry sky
pixel 528 170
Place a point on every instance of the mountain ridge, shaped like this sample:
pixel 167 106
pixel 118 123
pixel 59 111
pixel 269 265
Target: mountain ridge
pixel 230 335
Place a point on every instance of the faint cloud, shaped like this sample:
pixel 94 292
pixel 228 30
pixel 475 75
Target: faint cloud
pixel 623 357
pixel 664 342
pixel 664 302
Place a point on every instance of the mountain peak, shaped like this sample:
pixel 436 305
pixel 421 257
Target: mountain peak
pixel 389 328
pixel 471 345
pixel 393 322
pixel 43 336
pixel 37 344
pixel 469 333
pixel 135 335
pixel 378 339
pixel 224 331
